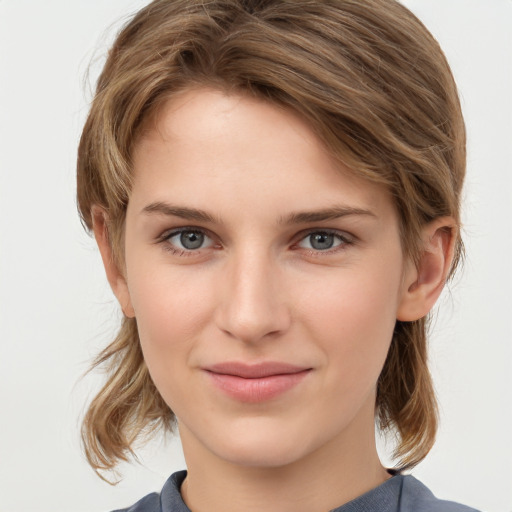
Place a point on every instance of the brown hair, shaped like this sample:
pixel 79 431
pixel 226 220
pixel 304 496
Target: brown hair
pixel 374 85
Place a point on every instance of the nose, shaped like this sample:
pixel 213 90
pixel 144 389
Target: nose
pixel 252 304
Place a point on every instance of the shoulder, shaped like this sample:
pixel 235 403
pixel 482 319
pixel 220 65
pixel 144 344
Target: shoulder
pixel 168 500
pixel 150 503
pixel 416 497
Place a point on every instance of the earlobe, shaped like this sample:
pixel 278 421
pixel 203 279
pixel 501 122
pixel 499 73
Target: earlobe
pixel 423 283
pixel 115 277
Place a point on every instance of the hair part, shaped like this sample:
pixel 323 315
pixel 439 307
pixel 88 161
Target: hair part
pixel 374 85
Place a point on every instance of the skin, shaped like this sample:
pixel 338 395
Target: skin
pixel 257 290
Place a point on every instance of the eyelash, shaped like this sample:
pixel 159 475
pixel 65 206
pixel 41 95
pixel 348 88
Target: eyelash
pixel 168 246
pixel 344 239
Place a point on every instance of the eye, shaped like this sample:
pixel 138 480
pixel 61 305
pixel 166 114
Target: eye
pixel 322 241
pixel 189 240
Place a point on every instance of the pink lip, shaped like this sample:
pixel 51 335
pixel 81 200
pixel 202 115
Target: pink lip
pixel 256 382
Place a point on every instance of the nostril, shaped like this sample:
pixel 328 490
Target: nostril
pixel 251 324
pixel 250 305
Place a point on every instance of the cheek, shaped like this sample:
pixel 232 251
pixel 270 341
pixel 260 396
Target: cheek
pixel 158 306
pixel 169 302
pixel 353 318
pixel 171 313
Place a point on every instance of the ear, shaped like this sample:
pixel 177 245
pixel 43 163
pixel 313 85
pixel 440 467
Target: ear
pixel 424 283
pixel 114 275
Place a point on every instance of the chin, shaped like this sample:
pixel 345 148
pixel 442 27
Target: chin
pixel 260 457
pixel 262 447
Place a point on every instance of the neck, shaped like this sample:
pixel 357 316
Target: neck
pixel 336 473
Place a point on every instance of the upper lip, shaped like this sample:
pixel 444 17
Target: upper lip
pixel 255 370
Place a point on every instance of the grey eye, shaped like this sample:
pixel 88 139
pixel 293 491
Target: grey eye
pixel 321 241
pixel 190 240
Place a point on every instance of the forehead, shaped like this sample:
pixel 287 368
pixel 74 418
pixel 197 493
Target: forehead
pixel 220 150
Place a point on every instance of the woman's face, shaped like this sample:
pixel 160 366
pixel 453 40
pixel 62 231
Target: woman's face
pixel 265 280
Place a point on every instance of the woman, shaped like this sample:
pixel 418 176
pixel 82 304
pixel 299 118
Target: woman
pixel 275 191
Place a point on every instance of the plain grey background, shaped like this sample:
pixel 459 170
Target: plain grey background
pixel 56 310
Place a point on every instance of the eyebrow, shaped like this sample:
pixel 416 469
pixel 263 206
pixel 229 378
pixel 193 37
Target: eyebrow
pixel 305 217
pixel 179 211
pixel 335 212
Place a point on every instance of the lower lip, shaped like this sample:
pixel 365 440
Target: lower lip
pixel 258 389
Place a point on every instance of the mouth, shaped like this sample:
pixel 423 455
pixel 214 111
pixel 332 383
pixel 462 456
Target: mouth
pixel 252 383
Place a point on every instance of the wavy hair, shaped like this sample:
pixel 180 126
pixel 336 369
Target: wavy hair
pixel 375 86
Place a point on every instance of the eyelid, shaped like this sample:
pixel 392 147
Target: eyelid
pixel 344 235
pixel 345 238
pixel 170 233
pixel 167 233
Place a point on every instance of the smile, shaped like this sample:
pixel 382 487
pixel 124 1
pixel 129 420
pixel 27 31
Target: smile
pixel 255 383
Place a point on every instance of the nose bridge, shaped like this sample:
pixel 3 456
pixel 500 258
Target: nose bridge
pixel 253 305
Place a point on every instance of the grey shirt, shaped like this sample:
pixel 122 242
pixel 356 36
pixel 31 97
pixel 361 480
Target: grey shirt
pixel 401 493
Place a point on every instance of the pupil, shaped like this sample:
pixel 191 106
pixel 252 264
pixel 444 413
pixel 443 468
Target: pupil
pixel 322 241
pixel 191 240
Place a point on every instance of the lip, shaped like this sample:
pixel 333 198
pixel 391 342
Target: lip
pixel 252 383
